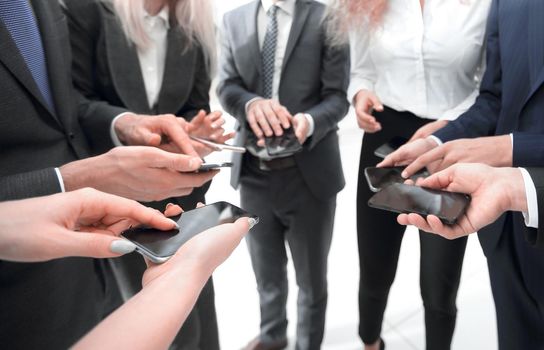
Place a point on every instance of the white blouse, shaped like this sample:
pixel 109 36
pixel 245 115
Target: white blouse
pixel 428 63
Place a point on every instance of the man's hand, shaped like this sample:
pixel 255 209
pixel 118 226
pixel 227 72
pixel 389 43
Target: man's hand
pixel 493 191
pixel 85 222
pixel 268 118
pixel 301 127
pixel 163 131
pixel 408 153
pixel 494 151
pixel 428 129
pixel 365 101
pixel 137 172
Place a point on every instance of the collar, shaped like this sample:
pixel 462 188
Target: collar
pixel 287 6
pixel 163 15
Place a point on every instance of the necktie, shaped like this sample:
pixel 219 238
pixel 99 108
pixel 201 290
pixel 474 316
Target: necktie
pixel 18 18
pixel 268 52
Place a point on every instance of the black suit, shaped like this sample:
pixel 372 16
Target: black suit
pixel 511 100
pixel 534 236
pixel 52 304
pixel 106 69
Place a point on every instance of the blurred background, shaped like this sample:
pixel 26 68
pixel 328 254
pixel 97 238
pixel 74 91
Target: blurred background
pixel 236 295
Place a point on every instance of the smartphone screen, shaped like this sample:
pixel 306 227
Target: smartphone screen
pixel 284 144
pixel 378 178
pixel 390 146
pixel 159 245
pixel 401 198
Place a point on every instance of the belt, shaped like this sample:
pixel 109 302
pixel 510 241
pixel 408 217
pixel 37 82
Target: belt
pixel 273 164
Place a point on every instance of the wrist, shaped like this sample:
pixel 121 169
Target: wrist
pixel 122 124
pixel 76 175
pixel 513 187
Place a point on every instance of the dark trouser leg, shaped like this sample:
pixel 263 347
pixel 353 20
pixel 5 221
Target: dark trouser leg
pixel 440 273
pixel 266 244
pixel 310 225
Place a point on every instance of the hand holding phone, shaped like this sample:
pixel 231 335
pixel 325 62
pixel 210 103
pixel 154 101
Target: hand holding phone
pixel 214 166
pixel 378 178
pixel 404 199
pixel 159 246
pixel 285 144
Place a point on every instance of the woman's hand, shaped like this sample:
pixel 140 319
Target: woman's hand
pixel 85 222
pixel 209 127
pixel 365 102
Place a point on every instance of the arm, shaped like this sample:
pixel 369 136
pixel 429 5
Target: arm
pixel 231 90
pixel 31 184
pixel 481 118
pixel 334 83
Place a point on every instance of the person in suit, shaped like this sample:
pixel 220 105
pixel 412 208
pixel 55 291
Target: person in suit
pixel 151 57
pixel 87 222
pixel 503 128
pixel 278 71
pixel 46 129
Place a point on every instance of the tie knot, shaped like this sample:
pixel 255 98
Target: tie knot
pixel 272 11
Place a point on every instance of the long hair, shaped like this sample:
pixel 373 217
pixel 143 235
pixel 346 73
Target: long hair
pixel 345 16
pixel 194 18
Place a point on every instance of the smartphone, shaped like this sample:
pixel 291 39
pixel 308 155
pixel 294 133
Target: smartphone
pixel 390 146
pixel 285 144
pixel 218 146
pixel 401 198
pixel 158 246
pixel 378 178
pixel 214 166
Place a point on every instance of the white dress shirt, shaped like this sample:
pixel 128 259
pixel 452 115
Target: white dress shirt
pixel 284 15
pixel 428 63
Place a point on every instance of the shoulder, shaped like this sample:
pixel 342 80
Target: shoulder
pixel 240 12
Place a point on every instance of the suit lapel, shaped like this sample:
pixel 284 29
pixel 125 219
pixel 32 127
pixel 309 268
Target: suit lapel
pixel 178 73
pixel 14 62
pixel 253 29
pixel 302 10
pixel 124 65
pixel 536 45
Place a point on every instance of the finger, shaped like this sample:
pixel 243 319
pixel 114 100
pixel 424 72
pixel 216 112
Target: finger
pixel 172 210
pixel 415 136
pixel 419 222
pixel 376 103
pixel 218 123
pixel 200 205
pixel 176 162
pixel 439 180
pixel 402 219
pixel 273 120
pixel 437 226
pixel 93 245
pixel 263 123
pixel 150 138
pixel 252 120
pixel 424 160
pixel 283 115
pixel 178 135
pixel 260 143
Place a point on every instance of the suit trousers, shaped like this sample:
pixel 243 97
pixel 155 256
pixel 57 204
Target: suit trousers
pixel 199 331
pixel 379 240
pixel 289 213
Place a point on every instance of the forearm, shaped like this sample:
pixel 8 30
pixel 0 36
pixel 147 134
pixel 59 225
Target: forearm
pixel 152 318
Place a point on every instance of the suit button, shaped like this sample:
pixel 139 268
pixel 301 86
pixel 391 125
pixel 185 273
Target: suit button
pixel 71 136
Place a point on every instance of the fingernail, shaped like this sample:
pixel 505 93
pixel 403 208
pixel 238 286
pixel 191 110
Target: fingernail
pixel 213 126
pixel 252 222
pixel 404 174
pixel 194 163
pixel 175 224
pixel 169 205
pixel 122 247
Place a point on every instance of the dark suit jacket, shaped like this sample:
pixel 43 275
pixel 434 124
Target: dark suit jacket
pixel 535 236
pixel 314 80
pixel 106 69
pixel 44 305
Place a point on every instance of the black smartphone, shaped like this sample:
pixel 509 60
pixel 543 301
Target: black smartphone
pixel 401 198
pixel 378 178
pixel 214 166
pixel 159 245
pixel 390 146
pixel 285 144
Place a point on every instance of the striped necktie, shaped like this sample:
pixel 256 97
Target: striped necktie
pixel 18 18
pixel 268 52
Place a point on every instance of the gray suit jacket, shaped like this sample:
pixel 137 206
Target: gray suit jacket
pixel 314 80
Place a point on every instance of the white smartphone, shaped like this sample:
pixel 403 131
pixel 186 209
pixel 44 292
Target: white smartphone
pixel 218 146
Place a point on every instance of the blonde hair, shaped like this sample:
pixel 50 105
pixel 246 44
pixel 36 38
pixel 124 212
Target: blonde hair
pixel 193 17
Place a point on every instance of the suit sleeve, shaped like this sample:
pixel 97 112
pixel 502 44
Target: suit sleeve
pixel 95 115
pixel 481 119
pixel 200 94
pixel 536 236
pixel 335 66
pixel 31 184
pixel 231 90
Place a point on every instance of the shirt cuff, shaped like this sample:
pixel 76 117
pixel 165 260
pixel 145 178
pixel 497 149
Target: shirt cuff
pixel 436 139
pixel 531 217
pixel 512 140
pixel 61 180
pixel 250 102
pixel 311 124
pixel 113 134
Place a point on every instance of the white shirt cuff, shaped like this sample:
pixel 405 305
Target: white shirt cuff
pixel 61 180
pixel 531 217
pixel 436 139
pixel 512 140
pixel 311 124
pixel 250 102
pixel 113 134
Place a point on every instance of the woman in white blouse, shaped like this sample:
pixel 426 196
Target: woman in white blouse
pixel 415 66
